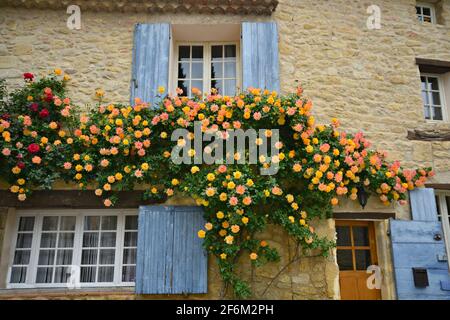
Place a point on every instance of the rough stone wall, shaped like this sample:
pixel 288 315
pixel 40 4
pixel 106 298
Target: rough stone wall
pixel 366 78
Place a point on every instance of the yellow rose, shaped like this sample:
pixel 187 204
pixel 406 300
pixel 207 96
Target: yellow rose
pixel 175 182
pixel 220 215
pixel 195 169
pixel 237 174
pixel 201 234
pixel 210 177
pixel 231 185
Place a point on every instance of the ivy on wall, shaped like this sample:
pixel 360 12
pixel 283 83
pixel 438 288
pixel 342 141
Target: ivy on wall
pixel 116 147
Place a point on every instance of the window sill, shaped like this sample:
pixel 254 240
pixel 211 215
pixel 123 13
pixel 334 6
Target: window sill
pixel 431 131
pixel 55 293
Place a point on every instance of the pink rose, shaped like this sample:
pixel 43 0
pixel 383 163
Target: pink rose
pixel 257 116
pixel 67 165
pixel 6 152
pixel 233 201
pixel 222 168
pixel 240 189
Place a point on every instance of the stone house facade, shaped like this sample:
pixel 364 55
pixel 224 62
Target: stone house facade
pixel 373 79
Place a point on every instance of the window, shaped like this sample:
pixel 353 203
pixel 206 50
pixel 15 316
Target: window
pixel 443 207
pixel 433 99
pixel 426 12
pixel 98 247
pixel 205 66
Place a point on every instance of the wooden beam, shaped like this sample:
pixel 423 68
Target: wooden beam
pixel 363 215
pixel 82 199
pixel 439 186
pixel 433 66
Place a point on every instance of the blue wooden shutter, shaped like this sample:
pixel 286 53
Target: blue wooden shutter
pixel 260 65
pixel 170 256
pixel 423 204
pixel 151 52
pixel 414 246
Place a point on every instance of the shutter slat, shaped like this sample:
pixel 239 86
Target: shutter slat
pixel 151 52
pixel 260 58
pixel 171 258
pixel 423 204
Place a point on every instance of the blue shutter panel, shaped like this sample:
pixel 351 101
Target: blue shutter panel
pixel 414 246
pixel 170 256
pixel 260 65
pixel 150 60
pixel 423 204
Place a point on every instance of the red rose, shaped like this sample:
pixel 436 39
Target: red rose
pixel 28 76
pixel 44 113
pixel 21 165
pixel 34 107
pixel 33 148
pixel 48 97
pixel 5 116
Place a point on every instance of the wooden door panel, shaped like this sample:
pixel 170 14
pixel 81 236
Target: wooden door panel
pixel 353 283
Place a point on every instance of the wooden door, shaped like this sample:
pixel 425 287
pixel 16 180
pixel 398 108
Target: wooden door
pixel 356 251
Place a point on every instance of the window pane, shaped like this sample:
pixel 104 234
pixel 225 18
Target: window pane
pixel 216 52
pixel 363 260
pixel 129 274
pixel 433 83
pixel 64 257
pixel 344 259
pixel 62 274
pixel 18 274
pixel 108 239
pixel 87 274
pixel 230 51
pixel 426 18
pixel 197 71
pixel 68 223
pixel 183 70
pixel 90 239
pixel 418 10
pixel 218 84
pixel 89 257
pixel 230 70
pixel 129 256
pixel 183 53
pixel 426 11
pixel 21 257
pixel 230 87
pixel 436 98
pixel 26 224
pixel 197 53
pixel 50 224
pixel 183 85
pixel 131 222
pixel 24 240
pixel 427 112
pixel 216 70
pixel 437 113
pixel 109 223
pixel 48 240
pixel 438 206
pixel 92 223
pixel 343 236
pixel 130 239
pixel 46 257
pixel 105 274
pixel 360 236
pixel 425 97
pixel 44 275
pixel 196 84
pixel 107 256
pixel 66 240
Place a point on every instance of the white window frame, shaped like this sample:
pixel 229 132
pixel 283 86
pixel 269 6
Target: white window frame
pixel 207 59
pixel 77 248
pixel 445 215
pixel 441 96
pixel 430 6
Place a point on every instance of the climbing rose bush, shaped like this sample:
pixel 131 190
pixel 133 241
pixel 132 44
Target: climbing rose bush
pixel 119 147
